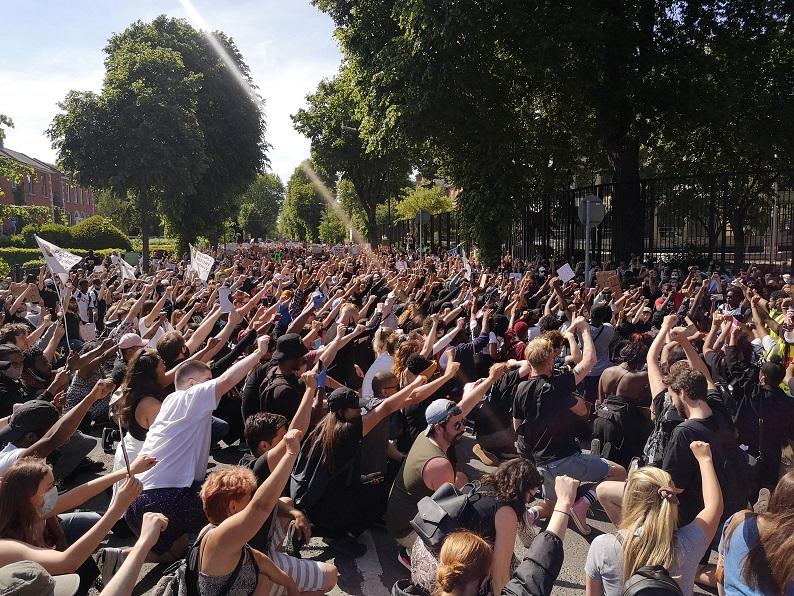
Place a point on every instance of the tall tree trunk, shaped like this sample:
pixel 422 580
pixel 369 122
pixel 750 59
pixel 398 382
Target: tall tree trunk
pixel 627 201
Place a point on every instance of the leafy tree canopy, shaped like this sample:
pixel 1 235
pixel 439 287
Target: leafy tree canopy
pixel 302 211
pixel 260 205
pixel 431 199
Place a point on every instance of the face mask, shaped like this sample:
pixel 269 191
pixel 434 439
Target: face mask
pixel 50 499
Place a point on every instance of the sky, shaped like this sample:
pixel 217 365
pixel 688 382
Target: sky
pixel 50 47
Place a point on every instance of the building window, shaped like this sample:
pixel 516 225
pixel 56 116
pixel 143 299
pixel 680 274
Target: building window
pixel 30 184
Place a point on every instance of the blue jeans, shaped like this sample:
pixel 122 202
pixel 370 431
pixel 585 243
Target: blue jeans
pixel 220 428
pixel 77 523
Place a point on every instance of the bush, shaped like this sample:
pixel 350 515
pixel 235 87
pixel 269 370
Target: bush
pixel 19 256
pixel 5 269
pixel 6 241
pixel 98 232
pixel 58 234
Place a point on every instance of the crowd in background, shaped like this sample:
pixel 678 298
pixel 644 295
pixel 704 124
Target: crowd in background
pixel 347 380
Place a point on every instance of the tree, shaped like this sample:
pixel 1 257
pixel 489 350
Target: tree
pixel 120 211
pixel 141 136
pixel 231 119
pixel 10 169
pixel 172 129
pixel 332 123
pixel 331 230
pixel 512 100
pixel 431 199
pixel 260 205
pixel 302 210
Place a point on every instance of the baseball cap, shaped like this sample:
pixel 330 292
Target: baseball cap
pixel 27 578
pixel 341 398
pixel 520 328
pixel 35 415
pixel 646 309
pixel 438 411
pixel 289 346
pixel 130 340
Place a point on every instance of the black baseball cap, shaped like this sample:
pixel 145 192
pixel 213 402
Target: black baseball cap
pixel 289 346
pixel 341 398
pixel 36 416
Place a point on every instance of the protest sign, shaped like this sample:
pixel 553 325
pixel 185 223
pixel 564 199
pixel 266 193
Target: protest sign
pixel 57 259
pixel 201 263
pixel 565 273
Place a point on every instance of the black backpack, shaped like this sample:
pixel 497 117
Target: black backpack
pixel 446 510
pixel 651 580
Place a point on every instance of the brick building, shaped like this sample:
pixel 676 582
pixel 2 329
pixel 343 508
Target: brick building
pixel 47 188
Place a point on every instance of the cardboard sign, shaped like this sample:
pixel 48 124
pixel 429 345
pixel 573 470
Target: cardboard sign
pixel 565 273
pixel 611 280
pixel 224 300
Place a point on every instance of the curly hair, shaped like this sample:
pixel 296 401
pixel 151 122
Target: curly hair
pixel 512 482
pixel 464 558
pixel 224 486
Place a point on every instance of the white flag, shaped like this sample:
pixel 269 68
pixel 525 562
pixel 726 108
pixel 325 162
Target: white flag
pixel 57 259
pixel 127 270
pixel 466 265
pixel 201 263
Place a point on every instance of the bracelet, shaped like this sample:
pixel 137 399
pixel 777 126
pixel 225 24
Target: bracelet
pixel 563 512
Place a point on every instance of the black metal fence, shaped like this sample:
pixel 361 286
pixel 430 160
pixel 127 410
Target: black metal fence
pixel 719 218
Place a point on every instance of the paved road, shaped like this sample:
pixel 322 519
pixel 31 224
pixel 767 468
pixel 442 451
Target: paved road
pixel 375 573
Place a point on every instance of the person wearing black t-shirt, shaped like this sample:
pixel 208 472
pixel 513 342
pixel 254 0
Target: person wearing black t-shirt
pixel 548 415
pixel 264 432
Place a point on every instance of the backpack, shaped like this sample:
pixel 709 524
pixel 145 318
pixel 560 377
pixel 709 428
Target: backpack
pixel 651 580
pixel 444 512
pixel 272 381
pixel 663 427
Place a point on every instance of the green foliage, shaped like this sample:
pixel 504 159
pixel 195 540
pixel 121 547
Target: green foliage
pixel 332 121
pixel 18 256
pixel 26 214
pixel 58 234
pixel 510 100
pixel 10 169
pixel 260 204
pixel 431 199
pixel 5 269
pixel 332 230
pixel 302 211
pixel 121 211
pixel 230 121
pixel 99 232
pixel 172 131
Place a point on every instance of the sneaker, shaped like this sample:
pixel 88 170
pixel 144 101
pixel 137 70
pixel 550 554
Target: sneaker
pixel 110 561
pixel 348 546
pixel 108 439
pixel 486 457
pixel 404 557
pixel 579 516
pixel 595 447
pixel 633 466
pixel 762 504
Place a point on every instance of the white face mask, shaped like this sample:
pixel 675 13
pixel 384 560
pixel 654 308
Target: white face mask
pixel 50 499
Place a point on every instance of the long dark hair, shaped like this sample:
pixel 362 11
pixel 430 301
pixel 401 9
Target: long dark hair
pixel 769 566
pixel 19 520
pixel 511 483
pixel 326 436
pixel 140 381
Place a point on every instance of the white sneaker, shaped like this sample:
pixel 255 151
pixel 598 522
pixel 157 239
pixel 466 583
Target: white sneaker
pixel 110 561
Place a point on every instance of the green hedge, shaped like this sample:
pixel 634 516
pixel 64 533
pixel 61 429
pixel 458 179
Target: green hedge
pixel 5 269
pixel 98 232
pixel 19 256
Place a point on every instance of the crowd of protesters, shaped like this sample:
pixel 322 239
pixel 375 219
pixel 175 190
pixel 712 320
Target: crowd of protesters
pixel 347 380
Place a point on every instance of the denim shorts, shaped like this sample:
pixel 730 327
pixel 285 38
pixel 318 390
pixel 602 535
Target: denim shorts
pixel 584 467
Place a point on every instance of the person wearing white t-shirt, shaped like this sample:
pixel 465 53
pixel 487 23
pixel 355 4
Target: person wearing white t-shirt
pixel 179 438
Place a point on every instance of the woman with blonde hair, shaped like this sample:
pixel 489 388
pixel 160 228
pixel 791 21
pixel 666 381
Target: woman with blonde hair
pixel 648 530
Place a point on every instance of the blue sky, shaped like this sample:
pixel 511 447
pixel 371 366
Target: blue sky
pixel 50 47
